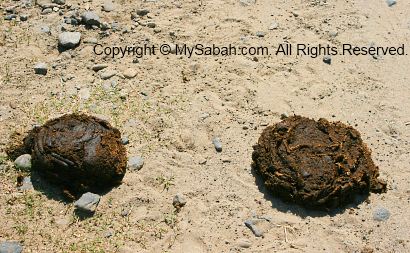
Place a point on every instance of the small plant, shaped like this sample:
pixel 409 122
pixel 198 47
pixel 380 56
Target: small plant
pixel 170 219
pixel 167 182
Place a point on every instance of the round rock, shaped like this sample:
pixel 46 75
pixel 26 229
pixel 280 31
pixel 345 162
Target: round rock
pixel 90 18
pixel 317 164
pixel 23 162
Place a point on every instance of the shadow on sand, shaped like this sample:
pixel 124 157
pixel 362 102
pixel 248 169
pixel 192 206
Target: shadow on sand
pixel 297 209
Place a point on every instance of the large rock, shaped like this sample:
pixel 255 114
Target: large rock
pixel 69 39
pixel 317 164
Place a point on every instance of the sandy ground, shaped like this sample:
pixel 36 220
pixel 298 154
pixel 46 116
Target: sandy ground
pixel 175 105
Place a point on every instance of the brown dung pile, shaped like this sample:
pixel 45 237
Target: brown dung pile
pixel 79 152
pixel 317 164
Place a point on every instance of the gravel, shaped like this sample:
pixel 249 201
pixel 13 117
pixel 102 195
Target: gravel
pixel 40 68
pixel 135 163
pixel 10 247
pixel 88 202
pixel 69 39
pixel 218 144
pixel 125 140
pixel 381 214
pixel 23 17
pixel 23 162
pixel 260 34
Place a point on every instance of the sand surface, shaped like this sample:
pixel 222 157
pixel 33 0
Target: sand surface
pixel 175 105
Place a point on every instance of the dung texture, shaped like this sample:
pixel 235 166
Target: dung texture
pixel 317 164
pixel 78 152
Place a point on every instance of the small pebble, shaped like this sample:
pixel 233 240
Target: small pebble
pixel 252 226
pixel 98 67
pixel 26 184
pixel 125 140
pixel 274 26
pixel 135 163
pixel 390 3
pixel 244 243
pixel 142 12
pixel 179 201
pixel 107 74
pixel 23 17
pixel 88 202
pixel 40 68
pixel 260 34
pixel 23 162
pixel 47 11
pixel 217 143
pixel 108 6
pixel 10 247
pixel 130 73
pixel 10 17
pixel 381 214
pixel 327 59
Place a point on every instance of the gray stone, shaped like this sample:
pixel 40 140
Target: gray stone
pixel 91 40
pixel 274 25
pixel 247 2
pixel 179 201
pixel 69 39
pixel 390 3
pixel 98 67
pixel 244 243
pixel 23 17
pixel 88 202
pixel 125 140
pixel 59 2
pixel 218 144
pixel 10 247
pixel 23 162
pixel 108 6
pixel 327 59
pixel 10 17
pixel 151 24
pixel 44 29
pixel 40 68
pixel 252 226
pixel 381 214
pixel 26 184
pixel 107 74
pixel 46 11
pixel 90 18
pixel 260 34
pixel 142 12
pixel 135 163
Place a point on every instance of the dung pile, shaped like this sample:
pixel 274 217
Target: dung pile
pixel 317 164
pixel 78 152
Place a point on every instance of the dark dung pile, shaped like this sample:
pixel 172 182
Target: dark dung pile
pixel 78 152
pixel 317 164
